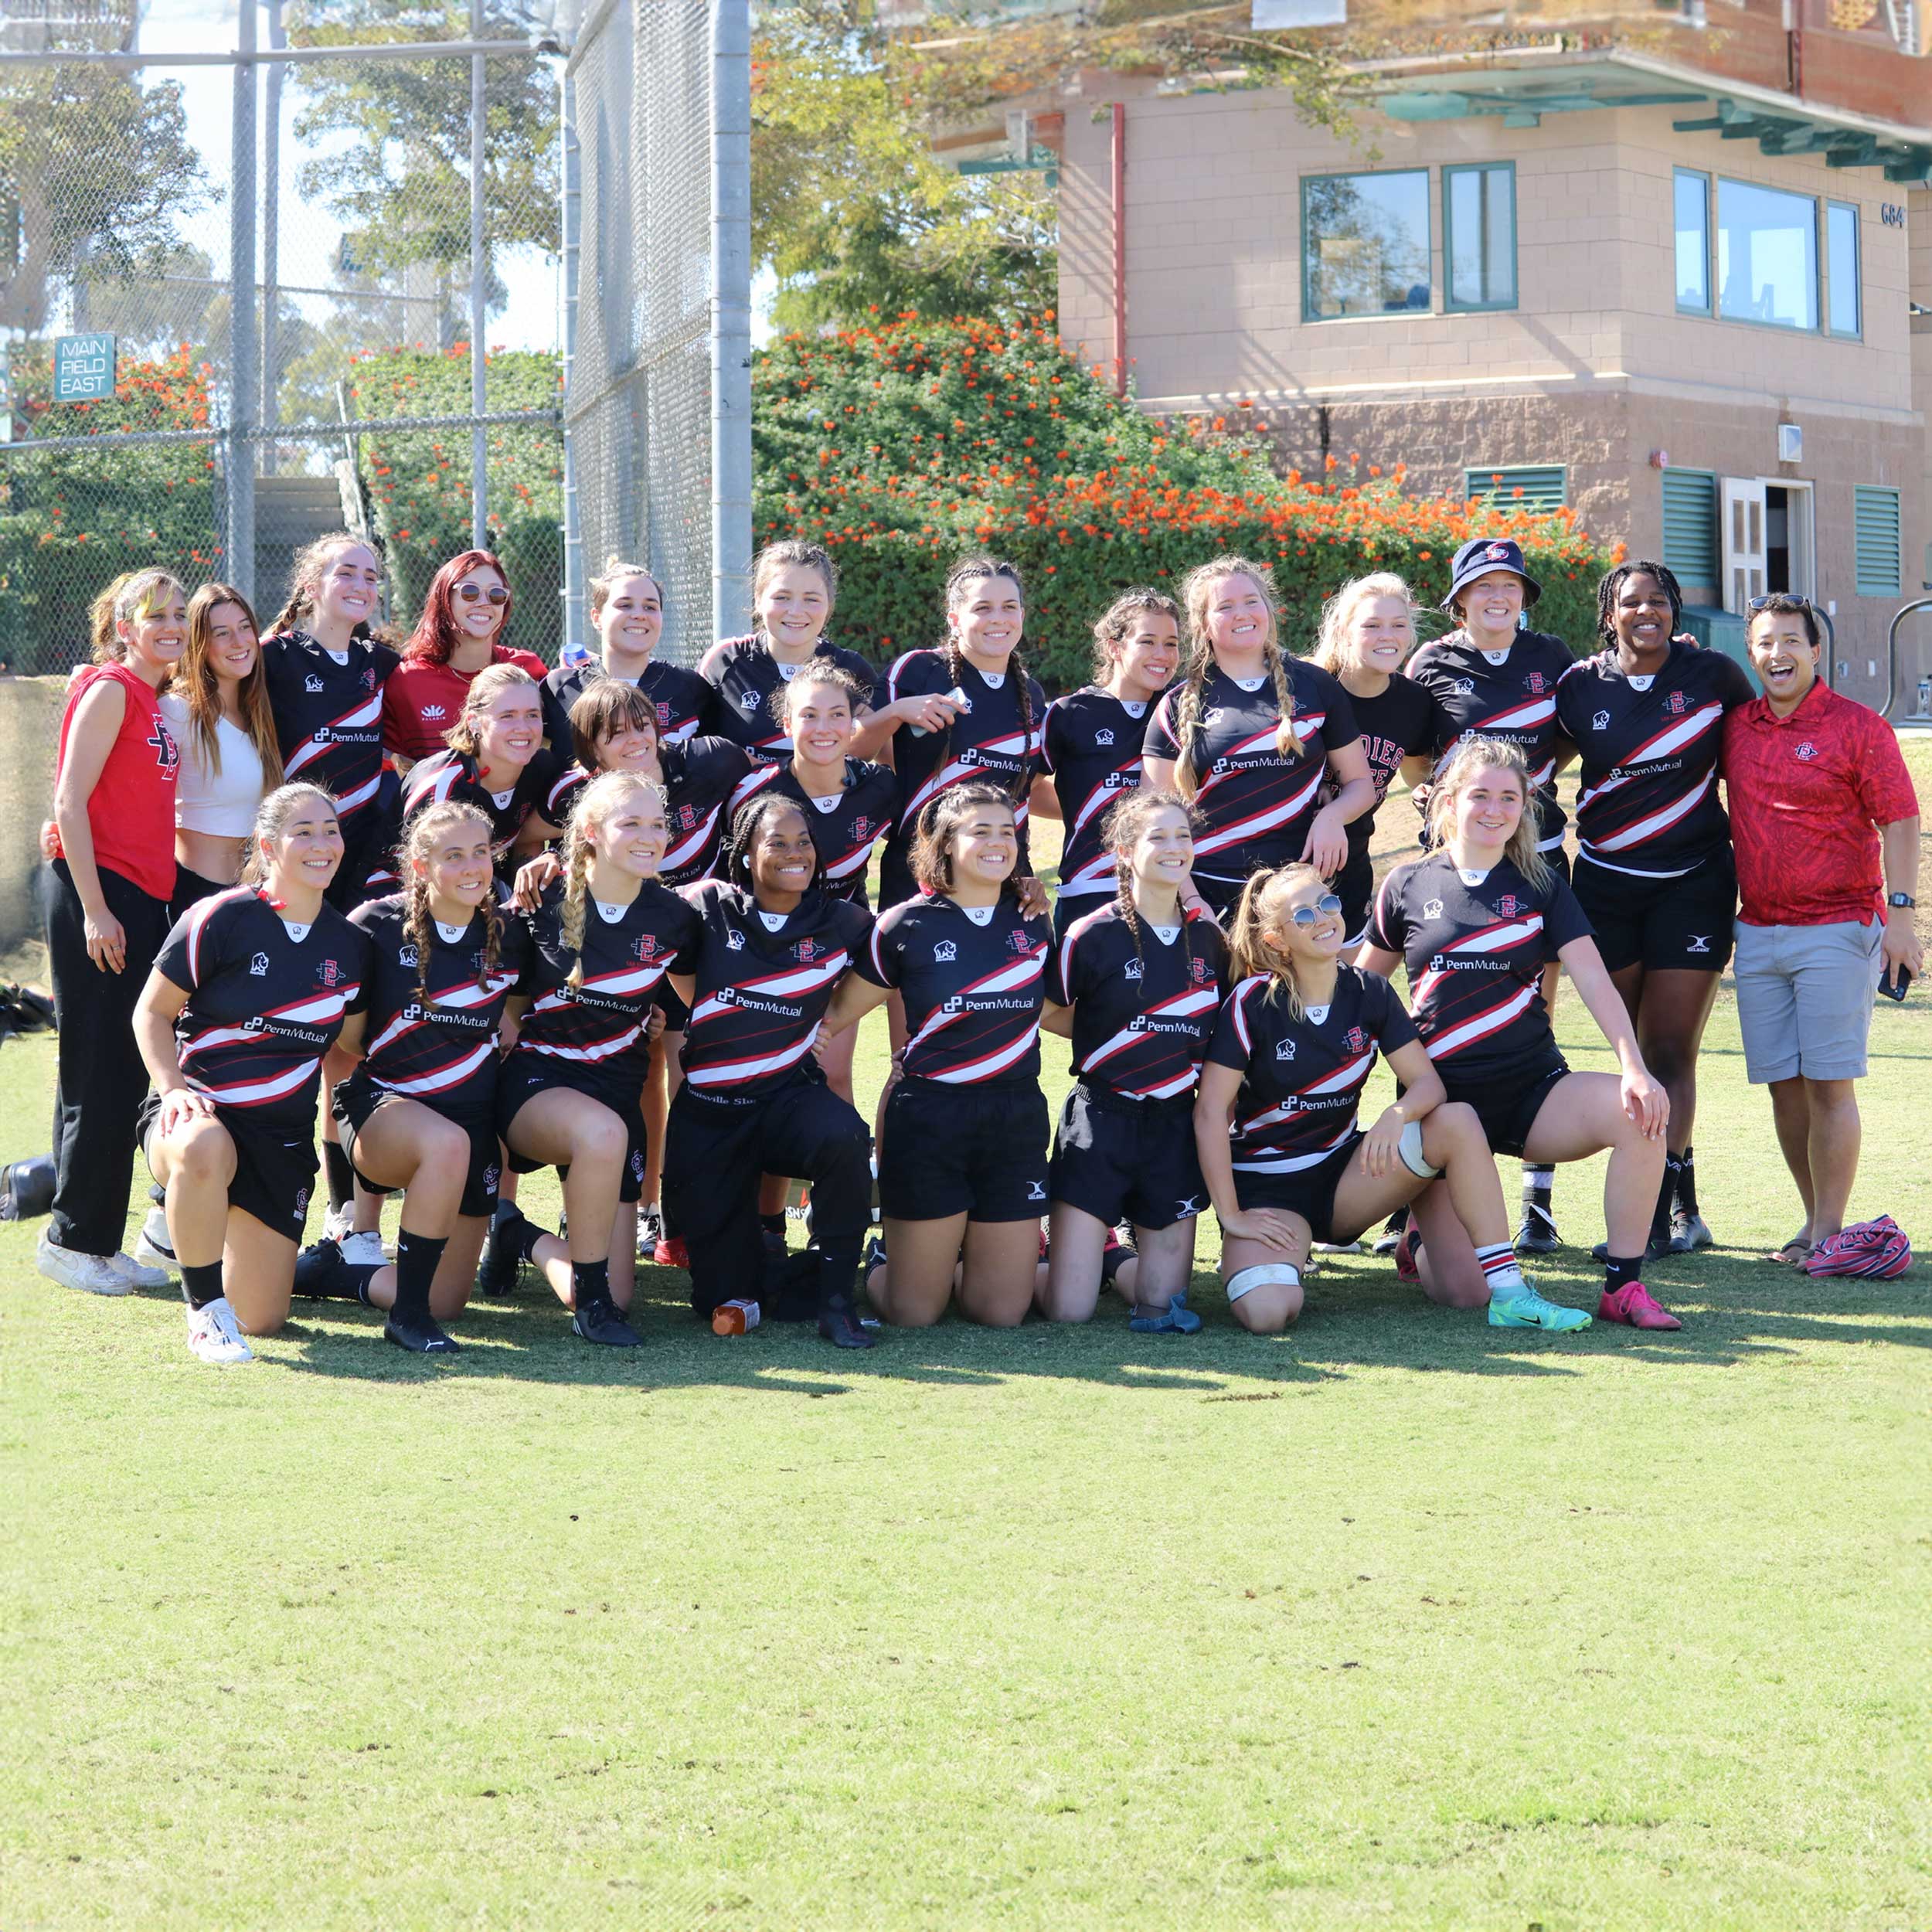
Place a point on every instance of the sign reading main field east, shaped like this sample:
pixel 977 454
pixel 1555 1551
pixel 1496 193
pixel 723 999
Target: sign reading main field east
pixel 83 369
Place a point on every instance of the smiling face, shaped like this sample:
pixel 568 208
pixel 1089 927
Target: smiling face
pixel 1381 634
pixel 783 859
pixel 792 604
pixel 631 836
pixel 1163 852
pixel 1239 620
pixel 1642 614
pixel 630 748
pixel 985 847
pixel 1783 657
pixel 233 647
pixel 155 637
pixel 820 720
pixel 457 868
pixel 1320 938
pixel 630 620
pixel 986 617
pixel 303 854
pixel 510 729
pixel 1145 660
pixel 480 600
pixel 1491 604
pixel 348 592
pixel 1489 808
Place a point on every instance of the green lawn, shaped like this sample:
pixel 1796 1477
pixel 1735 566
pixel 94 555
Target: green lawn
pixel 1396 1620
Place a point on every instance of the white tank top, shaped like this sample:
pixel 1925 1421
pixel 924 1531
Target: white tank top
pixel 222 804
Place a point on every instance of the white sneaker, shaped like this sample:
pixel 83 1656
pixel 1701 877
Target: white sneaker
pixel 363 1251
pixel 1336 1247
pixel 138 1274
pixel 214 1336
pixel 337 1224
pixel 91 1273
pixel 154 1245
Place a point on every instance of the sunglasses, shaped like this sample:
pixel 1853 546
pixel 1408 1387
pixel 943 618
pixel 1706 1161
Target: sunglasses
pixel 470 593
pixel 1325 907
pixel 1764 603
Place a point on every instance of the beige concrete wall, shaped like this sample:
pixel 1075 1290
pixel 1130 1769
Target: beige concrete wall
pixel 30 734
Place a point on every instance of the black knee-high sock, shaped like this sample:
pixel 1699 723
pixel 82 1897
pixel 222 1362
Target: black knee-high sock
pixel 201 1285
pixel 417 1257
pixel 589 1281
pixel 342 1176
pixel 1686 1177
pixel 1666 1193
pixel 838 1269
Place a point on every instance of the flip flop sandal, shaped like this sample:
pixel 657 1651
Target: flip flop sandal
pixel 1794 1254
pixel 1176 1318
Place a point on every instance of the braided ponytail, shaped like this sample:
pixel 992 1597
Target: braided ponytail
pixel 1250 955
pixel 595 802
pixel 427 830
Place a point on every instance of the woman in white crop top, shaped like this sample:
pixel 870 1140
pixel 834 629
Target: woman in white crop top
pixel 217 708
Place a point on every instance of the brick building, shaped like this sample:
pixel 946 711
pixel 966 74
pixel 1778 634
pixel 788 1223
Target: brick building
pixel 1653 283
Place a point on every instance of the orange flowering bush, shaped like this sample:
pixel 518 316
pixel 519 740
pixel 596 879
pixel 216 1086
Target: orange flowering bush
pixel 71 519
pixel 901 446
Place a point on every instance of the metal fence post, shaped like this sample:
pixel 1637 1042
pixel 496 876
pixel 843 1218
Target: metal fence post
pixel 730 317
pixel 271 229
pixel 570 216
pixel 241 317
pixel 479 480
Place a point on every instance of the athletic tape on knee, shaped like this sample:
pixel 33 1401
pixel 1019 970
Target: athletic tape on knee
pixel 1409 1147
pixel 1248 1279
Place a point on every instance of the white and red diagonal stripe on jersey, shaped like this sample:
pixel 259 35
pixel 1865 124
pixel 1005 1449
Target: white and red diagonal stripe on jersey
pixel 349 802
pixel 792 982
pixel 441 1079
pixel 685 851
pixel 986 1066
pixel 434 787
pixel 558 798
pixel 313 1009
pixel 1293 1163
pixel 1466 1033
pixel 1502 938
pixel 756 1067
pixel 1015 745
pixel 1005 978
pixel 1350 1073
pixel 198 915
pixel 1255 741
pixel 753 782
pixel 638 977
pixel 366 711
pixel 260 1093
pixel 1099 871
pixel 1654 825
pixel 1528 715
pixel 1256 823
pixel 465 998
pixel 1196 999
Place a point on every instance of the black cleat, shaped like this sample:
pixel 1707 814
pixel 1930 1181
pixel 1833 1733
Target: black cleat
pixel 598 1321
pixel 322 1275
pixel 501 1267
pixel 1654 1249
pixel 1688 1232
pixel 1537 1234
pixel 419 1334
pixel 839 1323
pixel 1392 1230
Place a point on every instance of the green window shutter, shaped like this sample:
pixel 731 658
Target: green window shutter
pixel 1690 526
pixel 1542 485
pixel 1875 541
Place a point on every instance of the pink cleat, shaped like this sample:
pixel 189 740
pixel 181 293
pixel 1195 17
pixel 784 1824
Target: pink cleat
pixel 1634 1304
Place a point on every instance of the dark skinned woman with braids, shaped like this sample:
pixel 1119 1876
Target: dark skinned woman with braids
pixel 1654 871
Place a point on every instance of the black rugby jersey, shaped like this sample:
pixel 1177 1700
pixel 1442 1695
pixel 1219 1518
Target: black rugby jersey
pixel 443 1051
pixel 1476 956
pixel 599 1024
pixel 329 716
pixel 1256 805
pixel 1648 803
pixel 844 832
pixel 699 776
pixel 1301 1080
pixel 263 1006
pixel 1142 1017
pixel 1405 721
pixel 761 991
pixel 743 675
pixel 452 775
pixel 678 697
pixel 985 742
pixel 1515 701
pixel 1091 746
pixel 973 993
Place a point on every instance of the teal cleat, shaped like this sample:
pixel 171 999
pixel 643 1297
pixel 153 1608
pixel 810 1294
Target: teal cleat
pixel 1529 1310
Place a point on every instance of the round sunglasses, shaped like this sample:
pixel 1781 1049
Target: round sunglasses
pixel 471 593
pixel 1325 907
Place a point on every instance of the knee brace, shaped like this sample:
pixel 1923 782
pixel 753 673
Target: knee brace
pixel 1409 1147
pixel 1247 1280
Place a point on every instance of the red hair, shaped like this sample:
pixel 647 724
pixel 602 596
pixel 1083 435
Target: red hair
pixel 435 635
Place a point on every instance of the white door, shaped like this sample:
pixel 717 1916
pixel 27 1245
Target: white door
pixel 1741 525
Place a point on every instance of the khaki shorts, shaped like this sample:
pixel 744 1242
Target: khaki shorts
pixel 1804 996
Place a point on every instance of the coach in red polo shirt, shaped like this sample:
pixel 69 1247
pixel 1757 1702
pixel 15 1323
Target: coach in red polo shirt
pixel 1817 791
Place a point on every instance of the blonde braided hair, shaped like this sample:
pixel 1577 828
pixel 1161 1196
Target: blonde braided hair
pixel 418 921
pixel 1197 591
pixel 595 802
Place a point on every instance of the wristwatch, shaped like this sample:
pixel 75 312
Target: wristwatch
pixel 1900 899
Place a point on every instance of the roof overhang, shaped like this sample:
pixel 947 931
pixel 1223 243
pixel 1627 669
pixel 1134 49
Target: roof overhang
pixel 1519 87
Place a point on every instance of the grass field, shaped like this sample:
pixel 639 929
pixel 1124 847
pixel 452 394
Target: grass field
pixel 1398 1620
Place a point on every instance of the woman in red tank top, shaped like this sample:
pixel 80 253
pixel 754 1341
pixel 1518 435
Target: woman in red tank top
pixel 106 909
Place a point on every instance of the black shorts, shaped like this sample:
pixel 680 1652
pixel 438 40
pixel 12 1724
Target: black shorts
pixel 1354 886
pixel 976 1150
pixel 274 1176
pixel 524 1076
pixel 1308 1192
pixel 1222 896
pixel 1557 860
pixel 1113 1156
pixel 896 883
pixel 357 1100
pixel 1073 905
pixel 190 888
pixel 1508 1109
pixel 1664 925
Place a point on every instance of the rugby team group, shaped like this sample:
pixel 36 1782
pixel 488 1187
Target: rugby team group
pixel 483 916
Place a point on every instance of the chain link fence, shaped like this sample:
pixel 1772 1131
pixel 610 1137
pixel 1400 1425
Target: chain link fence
pixel 272 352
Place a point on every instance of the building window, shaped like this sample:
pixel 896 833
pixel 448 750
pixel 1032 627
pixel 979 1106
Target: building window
pixel 1766 256
pixel 1479 235
pixel 1693 242
pixel 1365 244
pixel 1516 486
pixel 1690 526
pixel 1842 268
pixel 1875 541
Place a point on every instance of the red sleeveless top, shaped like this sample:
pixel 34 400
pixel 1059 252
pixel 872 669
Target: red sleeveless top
pixel 131 809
